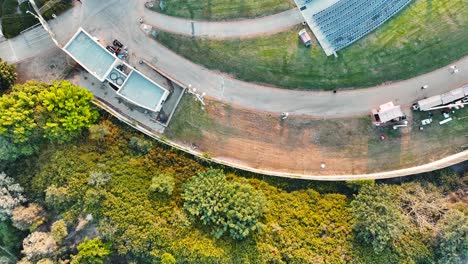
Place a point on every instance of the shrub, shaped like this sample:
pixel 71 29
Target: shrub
pixel 59 231
pixel 11 195
pixel 30 217
pixel 227 207
pixel 99 178
pixel 167 258
pixel 139 145
pixel 91 251
pixel 163 183
pixel 7 75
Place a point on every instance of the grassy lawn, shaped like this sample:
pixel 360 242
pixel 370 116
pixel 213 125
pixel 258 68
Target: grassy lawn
pixel 425 36
pixel 221 9
pixel 190 120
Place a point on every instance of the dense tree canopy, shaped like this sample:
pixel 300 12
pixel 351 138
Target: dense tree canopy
pixel 226 207
pixel 11 196
pixel 7 75
pixel 452 238
pixel 34 110
pixel 379 221
pixel 103 186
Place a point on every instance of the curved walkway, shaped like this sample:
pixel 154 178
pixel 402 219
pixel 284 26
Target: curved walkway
pixel 103 19
pixel 226 29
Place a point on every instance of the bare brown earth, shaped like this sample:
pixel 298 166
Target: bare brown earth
pixel 300 145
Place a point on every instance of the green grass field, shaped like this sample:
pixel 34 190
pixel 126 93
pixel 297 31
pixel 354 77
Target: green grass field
pixel 425 36
pixel 222 9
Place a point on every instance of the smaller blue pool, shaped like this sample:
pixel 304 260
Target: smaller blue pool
pixel 142 91
pixel 90 55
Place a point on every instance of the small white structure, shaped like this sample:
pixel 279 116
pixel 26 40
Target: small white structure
pixel 305 37
pixel 386 113
pixel 133 86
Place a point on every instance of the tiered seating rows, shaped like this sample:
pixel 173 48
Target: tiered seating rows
pixel 349 20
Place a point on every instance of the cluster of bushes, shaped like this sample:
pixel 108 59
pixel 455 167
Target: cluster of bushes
pixel 7 76
pixel 35 111
pixel 151 204
pixel 113 196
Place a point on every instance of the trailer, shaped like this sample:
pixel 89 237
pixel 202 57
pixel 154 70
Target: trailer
pixel 442 99
pixel 452 96
pixel 305 37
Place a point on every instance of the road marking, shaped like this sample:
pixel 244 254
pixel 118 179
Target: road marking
pixel 13 51
pixel 222 87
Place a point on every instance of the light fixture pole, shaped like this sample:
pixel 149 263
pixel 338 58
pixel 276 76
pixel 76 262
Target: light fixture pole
pixel 42 21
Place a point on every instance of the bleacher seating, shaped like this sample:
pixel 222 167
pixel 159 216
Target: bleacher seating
pixel 346 21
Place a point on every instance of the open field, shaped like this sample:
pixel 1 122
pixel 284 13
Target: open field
pixel 300 145
pixel 425 36
pixel 221 9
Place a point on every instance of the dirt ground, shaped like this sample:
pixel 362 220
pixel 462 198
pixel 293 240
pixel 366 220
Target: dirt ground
pixel 301 145
pixel 51 65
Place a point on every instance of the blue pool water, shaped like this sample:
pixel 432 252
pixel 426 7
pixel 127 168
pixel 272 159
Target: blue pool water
pixel 142 91
pixel 90 55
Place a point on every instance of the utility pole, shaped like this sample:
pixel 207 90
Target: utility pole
pixel 42 21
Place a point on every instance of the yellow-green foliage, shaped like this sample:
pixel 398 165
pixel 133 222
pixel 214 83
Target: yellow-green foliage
pixel 34 110
pixel 225 207
pixel 301 225
pixel 91 251
pixel 59 231
pixel 7 75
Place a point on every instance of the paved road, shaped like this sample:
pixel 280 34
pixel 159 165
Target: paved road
pixel 105 20
pixel 25 46
pixel 229 29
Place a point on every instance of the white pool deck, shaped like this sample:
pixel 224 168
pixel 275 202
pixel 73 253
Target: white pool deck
pixel 100 63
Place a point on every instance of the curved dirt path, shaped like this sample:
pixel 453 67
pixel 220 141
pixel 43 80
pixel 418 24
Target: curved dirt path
pixel 224 29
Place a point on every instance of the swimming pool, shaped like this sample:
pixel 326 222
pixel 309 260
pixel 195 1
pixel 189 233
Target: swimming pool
pixel 92 56
pixel 142 91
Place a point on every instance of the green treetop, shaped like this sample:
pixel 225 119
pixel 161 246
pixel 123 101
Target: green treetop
pixel 228 207
pixel 34 110
pixel 7 75
pixel 92 251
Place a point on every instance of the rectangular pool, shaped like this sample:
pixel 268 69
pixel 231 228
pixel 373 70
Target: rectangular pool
pixel 92 56
pixel 142 91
